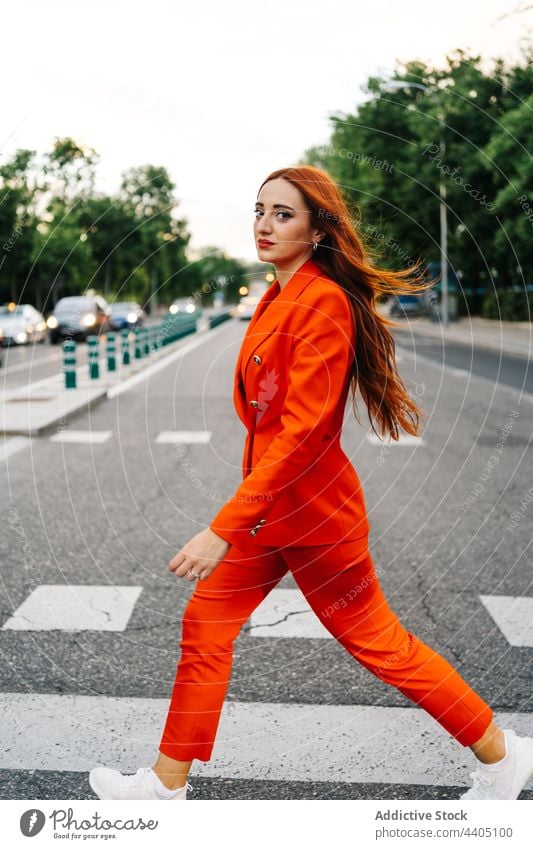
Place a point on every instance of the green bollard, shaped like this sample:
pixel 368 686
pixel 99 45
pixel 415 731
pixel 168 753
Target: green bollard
pixel 125 339
pixel 94 370
pixel 69 363
pixel 111 353
pixel 137 343
pixel 146 340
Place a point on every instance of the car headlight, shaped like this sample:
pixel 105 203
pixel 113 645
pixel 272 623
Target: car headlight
pixel 89 319
pixel 173 309
pixel 21 337
pixel 52 321
pixel 132 317
pixel 190 307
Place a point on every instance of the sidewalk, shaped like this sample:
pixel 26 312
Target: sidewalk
pixel 505 337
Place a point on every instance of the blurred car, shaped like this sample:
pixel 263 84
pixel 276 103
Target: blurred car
pixel 187 306
pixel 126 314
pixel 77 317
pixel 1 352
pixel 21 324
pixel 405 306
pixel 246 306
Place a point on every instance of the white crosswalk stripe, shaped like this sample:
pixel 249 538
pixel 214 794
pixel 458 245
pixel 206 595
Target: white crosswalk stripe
pixel 286 613
pixel 308 742
pixel 513 616
pixel 74 608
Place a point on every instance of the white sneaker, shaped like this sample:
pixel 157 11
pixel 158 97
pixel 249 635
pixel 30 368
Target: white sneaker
pixel 508 781
pixel 111 784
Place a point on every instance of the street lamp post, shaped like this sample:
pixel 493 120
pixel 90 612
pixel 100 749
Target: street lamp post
pixel 393 85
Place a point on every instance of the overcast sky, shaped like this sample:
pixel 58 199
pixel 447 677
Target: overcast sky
pixel 221 93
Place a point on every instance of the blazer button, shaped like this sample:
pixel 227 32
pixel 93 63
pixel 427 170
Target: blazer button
pixel 262 521
pixel 257 360
pixel 254 403
pixel 253 532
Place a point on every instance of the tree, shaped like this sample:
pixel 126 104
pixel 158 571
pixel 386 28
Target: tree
pixel 157 242
pixel 389 157
pixel 17 222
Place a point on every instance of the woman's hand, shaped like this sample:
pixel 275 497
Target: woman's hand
pixel 200 556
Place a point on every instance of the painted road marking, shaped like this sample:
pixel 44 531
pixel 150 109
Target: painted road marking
pixel 286 613
pixel 81 436
pixel 54 607
pixel 406 439
pixel 296 742
pixel 167 437
pixel 514 617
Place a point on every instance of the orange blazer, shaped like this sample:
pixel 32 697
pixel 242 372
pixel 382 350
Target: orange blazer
pixel 290 390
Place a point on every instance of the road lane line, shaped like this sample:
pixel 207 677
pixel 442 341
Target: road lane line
pixel 185 437
pixel 404 439
pixel 81 436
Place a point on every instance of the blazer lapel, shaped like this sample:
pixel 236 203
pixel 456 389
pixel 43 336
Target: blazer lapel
pixel 267 315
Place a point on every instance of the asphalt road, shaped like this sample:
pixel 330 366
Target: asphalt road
pixel 112 513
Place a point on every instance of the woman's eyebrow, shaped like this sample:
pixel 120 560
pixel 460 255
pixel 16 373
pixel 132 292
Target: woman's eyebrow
pixel 276 205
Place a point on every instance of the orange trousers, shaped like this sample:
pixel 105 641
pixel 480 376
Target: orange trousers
pixel 341 586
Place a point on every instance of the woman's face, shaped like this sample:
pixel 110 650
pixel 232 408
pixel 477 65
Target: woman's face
pixel 282 218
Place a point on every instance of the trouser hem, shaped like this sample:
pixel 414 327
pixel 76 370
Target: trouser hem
pixel 182 752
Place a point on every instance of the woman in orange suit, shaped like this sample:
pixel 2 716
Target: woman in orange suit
pixel 300 507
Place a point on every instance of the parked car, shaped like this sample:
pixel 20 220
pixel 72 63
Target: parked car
pixel 246 306
pixel 187 306
pixel 21 324
pixel 77 317
pixel 126 314
pixel 408 305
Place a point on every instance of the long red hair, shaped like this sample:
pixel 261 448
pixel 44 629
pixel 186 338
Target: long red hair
pixel 345 256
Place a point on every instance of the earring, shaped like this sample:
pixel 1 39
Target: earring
pixel 315 246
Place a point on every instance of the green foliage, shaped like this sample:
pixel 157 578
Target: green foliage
pixel 218 273
pixel 508 305
pixel 60 237
pixel 469 130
